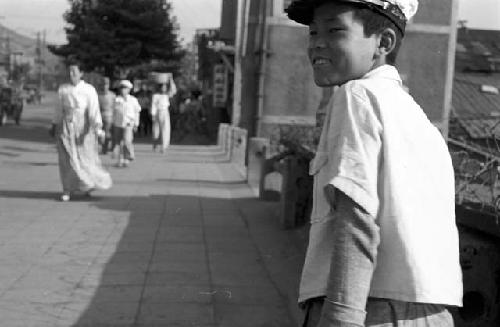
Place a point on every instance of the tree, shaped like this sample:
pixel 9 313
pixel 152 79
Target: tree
pixel 113 36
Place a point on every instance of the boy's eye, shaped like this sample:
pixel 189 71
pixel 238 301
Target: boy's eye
pixel 334 29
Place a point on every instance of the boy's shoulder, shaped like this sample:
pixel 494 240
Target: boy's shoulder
pixel 359 89
pixel 383 82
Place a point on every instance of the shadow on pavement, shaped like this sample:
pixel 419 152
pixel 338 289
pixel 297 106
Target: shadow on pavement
pixel 191 261
pixel 29 195
pixel 26 133
pixel 45 195
pixel 179 260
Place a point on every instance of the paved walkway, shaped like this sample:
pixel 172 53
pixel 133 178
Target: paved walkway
pixel 178 241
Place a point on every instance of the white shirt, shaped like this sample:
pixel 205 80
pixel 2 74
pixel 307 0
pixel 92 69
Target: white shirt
pixel 75 101
pixel 126 111
pixel 159 103
pixel 379 148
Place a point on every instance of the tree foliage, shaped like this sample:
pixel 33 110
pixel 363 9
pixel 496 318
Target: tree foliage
pixel 111 36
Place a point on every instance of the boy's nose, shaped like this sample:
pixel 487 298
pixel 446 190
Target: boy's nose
pixel 317 42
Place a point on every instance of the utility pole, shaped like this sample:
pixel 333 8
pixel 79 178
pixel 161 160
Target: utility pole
pixel 8 55
pixel 40 43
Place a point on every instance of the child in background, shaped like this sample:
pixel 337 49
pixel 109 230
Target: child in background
pixel 126 111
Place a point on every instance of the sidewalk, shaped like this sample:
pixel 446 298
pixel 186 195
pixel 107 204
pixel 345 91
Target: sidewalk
pixel 179 241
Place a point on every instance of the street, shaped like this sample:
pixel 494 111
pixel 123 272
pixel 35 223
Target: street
pixel 180 240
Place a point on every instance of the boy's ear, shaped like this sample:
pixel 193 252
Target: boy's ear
pixel 387 42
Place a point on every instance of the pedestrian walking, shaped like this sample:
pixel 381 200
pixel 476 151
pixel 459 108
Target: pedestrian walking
pixel 77 124
pixel 144 97
pixel 106 102
pixel 126 111
pixel 160 113
pixel 383 244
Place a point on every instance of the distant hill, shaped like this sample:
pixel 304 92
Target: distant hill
pixel 53 67
pixel 18 42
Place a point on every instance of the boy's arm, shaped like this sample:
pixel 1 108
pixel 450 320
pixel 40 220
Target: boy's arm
pixel 353 262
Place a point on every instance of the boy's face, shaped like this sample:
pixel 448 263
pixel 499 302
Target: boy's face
pixel 338 49
pixel 124 91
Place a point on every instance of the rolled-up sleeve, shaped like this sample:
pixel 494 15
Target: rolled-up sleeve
pixel 354 148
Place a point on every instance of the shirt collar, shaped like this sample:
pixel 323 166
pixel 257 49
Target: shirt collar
pixel 384 71
pixel 80 83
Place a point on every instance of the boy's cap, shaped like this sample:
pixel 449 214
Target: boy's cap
pixel 126 83
pixel 398 11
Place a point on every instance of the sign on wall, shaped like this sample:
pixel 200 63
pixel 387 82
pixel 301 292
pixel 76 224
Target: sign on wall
pixel 220 85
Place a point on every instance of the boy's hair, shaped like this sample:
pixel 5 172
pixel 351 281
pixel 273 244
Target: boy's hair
pixel 373 22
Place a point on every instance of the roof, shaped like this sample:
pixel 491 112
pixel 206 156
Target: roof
pixel 477 111
pixel 478 50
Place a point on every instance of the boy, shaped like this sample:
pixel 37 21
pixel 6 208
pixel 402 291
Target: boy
pixel 383 247
pixel 126 112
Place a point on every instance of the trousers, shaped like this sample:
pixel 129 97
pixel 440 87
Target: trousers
pixel 123 138
pixel 161 129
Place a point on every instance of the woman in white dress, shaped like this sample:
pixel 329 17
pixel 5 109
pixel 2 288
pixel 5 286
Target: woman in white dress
pixel 160 105
pixel 77 124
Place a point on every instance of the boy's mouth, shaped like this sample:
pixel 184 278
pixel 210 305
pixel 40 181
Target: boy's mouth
pixel 319 61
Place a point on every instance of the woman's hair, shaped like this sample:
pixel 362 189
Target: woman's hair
pixel 73 60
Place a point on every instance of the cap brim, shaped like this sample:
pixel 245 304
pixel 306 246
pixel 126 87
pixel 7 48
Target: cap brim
pixel 302 11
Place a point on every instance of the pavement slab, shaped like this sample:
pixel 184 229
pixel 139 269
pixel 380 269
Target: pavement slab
pixel 180 240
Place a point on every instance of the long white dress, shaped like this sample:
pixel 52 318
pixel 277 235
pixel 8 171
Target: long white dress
pixel 77 120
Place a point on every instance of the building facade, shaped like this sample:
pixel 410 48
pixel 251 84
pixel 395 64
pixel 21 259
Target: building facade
pixel 273 85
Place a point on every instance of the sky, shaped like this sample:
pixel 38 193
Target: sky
pixel 482 14
pixel 29 16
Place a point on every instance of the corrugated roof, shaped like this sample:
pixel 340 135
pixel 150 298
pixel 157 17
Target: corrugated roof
pixel 478 112
pixel 477 50
pixel 488 40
